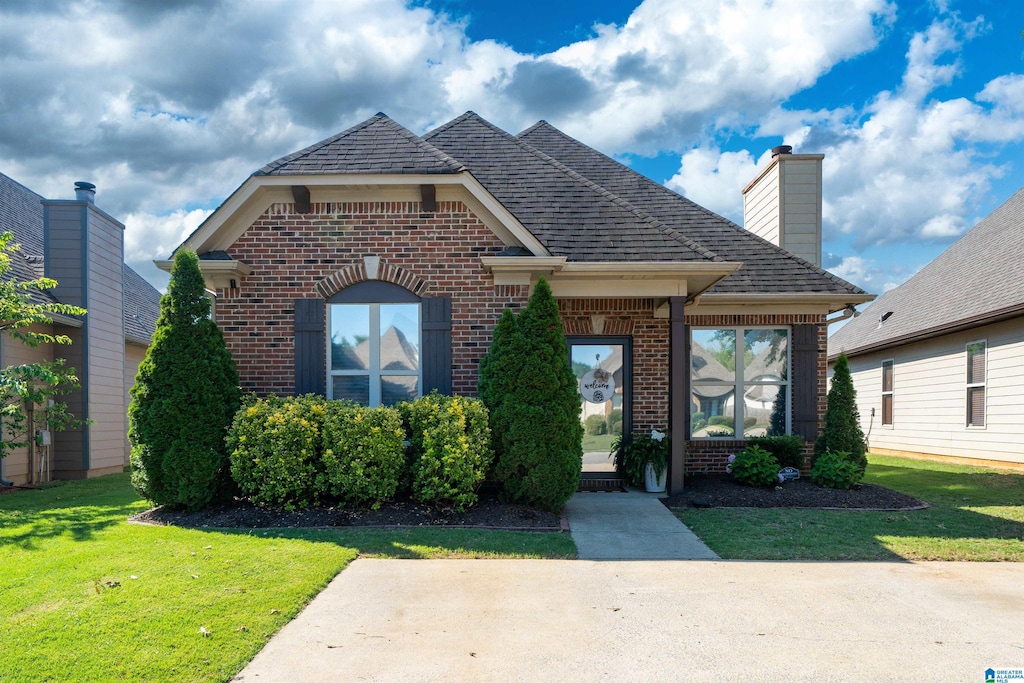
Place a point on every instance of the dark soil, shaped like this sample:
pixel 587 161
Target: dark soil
pixel 721 490
pixel 488 513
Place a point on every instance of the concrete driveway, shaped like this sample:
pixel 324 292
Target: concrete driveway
pixel 548 620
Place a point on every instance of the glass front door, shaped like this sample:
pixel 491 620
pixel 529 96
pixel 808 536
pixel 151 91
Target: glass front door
pixel 602 368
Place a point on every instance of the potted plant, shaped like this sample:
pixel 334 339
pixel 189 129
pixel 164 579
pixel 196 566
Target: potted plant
pixel 643 460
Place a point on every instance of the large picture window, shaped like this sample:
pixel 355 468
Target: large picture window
pixel 976 352
pixel 374 352
pixel 739 382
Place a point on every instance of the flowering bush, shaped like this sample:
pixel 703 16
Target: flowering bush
pixel 754 466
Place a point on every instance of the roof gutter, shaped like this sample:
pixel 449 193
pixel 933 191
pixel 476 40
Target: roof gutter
pixel 835 301
pixel 937 331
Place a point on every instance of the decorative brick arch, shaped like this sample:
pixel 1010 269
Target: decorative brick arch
pixel 385 272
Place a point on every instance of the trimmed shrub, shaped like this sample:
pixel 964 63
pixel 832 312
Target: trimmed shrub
pixel 276 451
pixel 787 449
pixel 836 470
pixel 185 395
pixel 721 421
pixel 842 432
pixel 536 414
pixel 754 466
pixel 498 371
pixel 451 448
pixel 615 422
pixel 363 453
pixel 595 425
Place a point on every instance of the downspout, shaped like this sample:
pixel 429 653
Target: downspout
pixel 849 312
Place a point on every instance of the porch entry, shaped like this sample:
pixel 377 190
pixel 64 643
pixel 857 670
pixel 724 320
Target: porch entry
pixel 603 369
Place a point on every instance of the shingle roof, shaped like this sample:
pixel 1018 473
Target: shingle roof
pixel 377 145
pixel 570 215
pixel 978 278
pixel 766 267
pixel 21 212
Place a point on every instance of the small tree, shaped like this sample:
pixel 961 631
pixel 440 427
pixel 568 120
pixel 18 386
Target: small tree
pixel 497 373
pixel 185 396
pixel 538 417
pixel 842 432
pixel 23 387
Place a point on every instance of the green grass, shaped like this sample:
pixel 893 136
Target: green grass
pixel 976 514
pixel 598 443
pixel 86 596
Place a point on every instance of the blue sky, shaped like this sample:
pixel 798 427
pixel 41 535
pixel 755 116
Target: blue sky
pixel 167 107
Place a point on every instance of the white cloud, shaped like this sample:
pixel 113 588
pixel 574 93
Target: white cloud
pixel 907 166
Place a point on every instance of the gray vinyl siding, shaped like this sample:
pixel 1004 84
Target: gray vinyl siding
pixel 133 356
pixel 802 214
pixel 106 343
pixel 929 396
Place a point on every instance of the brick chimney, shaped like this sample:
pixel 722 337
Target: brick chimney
pixel 783 203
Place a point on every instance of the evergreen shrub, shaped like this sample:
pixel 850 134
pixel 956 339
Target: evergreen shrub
pixel 184 398
pixel 363 453
pixel 276 447
pixel 531 392
pixel 842 432
pixel 595 425
pixel 451 448
pixel 787 449
pixel 754 466
pixel 721 421
pixel 836 470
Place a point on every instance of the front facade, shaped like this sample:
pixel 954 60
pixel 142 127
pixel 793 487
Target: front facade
pixel 82 248
pixel 375 265
pixel 938 363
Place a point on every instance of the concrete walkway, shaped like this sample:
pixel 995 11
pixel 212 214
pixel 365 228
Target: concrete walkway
pixel 572 620
pixel 630 526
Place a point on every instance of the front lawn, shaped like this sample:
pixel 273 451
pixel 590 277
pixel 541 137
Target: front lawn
pixel 976 514
pixel 86 596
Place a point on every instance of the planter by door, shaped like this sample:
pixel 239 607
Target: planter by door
pixel 652 483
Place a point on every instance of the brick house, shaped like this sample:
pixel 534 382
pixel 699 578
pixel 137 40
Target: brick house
pixel 377 238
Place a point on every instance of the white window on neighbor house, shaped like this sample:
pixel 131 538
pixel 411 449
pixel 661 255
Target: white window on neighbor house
pixel 373 354
pixel 739 382
pixel 888 368
pixel 976 378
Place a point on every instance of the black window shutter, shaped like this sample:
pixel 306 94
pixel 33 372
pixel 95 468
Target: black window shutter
pixel 310 353
pixel 437 344
pixel 805 381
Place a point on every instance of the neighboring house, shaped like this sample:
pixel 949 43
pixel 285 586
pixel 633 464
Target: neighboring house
pixel 938 362
pixel 326 247
pixel 82 248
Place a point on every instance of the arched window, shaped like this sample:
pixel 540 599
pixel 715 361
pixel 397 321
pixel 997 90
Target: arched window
pixel 374 348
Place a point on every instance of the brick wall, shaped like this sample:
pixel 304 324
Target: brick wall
pixel 434 254
pixel 297 256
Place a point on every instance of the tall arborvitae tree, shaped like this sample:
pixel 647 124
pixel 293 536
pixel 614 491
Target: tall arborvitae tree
pixel 842 432
pixel 538 418
pixel 184 398
pixel 497 370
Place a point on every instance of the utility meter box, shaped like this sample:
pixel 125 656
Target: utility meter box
pixel 43 437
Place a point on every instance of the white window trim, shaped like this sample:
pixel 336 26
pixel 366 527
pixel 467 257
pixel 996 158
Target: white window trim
pixel 974 385
pixel 738 383
pixel 891 393
pixel 373 373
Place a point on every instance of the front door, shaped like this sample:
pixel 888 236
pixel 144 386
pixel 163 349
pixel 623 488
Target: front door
pixel 603 375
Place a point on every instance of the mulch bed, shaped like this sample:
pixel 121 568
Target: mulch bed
pixel 721 490
pixel 488 513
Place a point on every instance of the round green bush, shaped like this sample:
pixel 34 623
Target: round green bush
pixel 595 425
pixel 788 450
pixel 754 466
pixel 451 449
pixel 276 449
pixel 836 470
pixel 363 453
pixel 721 421
pixel 615 422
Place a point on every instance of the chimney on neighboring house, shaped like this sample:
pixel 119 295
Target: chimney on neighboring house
pixel 783 203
